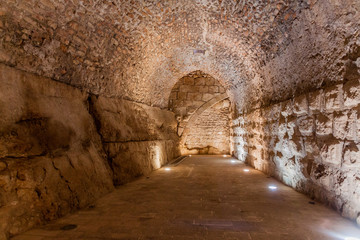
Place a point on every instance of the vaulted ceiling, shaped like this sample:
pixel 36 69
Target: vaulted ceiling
pixel 261 51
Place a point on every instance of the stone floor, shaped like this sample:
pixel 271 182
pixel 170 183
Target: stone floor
pixel 204 197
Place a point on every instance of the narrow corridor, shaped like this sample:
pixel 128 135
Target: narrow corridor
pixel 204 197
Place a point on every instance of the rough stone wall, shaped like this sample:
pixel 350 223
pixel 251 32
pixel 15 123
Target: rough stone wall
pixel 61 148
pixel 311 142
pixel 51 158
pixel 137 138
pixel 192 91
pixel 210 134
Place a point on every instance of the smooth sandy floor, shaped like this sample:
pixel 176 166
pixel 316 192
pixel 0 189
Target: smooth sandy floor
pixel 204 197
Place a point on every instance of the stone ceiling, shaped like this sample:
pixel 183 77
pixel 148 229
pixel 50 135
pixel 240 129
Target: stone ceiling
pixel 261 51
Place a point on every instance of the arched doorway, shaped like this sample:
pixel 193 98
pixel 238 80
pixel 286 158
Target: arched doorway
pixel 202 108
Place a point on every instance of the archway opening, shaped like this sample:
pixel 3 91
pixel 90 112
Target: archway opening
pixel 202 109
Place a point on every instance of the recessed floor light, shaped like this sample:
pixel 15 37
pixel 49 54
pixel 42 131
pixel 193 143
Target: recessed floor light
pixel 246 170
pixel 272 187
pixel 167 169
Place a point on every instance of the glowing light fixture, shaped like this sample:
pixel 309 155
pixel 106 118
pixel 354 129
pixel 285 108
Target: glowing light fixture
pixel 246 170
pixel 272 187
pixel 233 161
pixel 224 155
pixel 167 169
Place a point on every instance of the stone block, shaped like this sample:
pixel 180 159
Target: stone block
pixel 301 106
pixel 209 81
pixel 222 90
pixel 188 81
pixel 351 127
pixel 207 96
pixel 311 147
pixel 324 124
pixel 306 125
pixel 181 95
pixel 334 98
pixel 123 120
pixel 200 81
pixel 213 89
pixel 296 147
pixel 331 152
pixel 287 108
pixel 67 170
pixel 316 101
pixel 351 155
pixel 351 93
pixel 194 96
pixel 187 88
pixel 272 112
pixel 340 122
pixel 204 89
pixel 173 96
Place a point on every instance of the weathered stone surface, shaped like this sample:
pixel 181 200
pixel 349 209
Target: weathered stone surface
pixel 306 125
pixel 340 125
pixel 121 120
pixel 316 152
pixel 133 159
pixel 352 93
pixel 271 113
pixel 331 152
pixel 316 101
pixel 209 133
pixel 137 138
pixel 301 106
pixel 351 155
pixel 334 99
pixel 324 124
pixel 287 108
pixel 51 157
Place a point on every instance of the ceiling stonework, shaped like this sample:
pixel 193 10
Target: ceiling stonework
pixel 261 51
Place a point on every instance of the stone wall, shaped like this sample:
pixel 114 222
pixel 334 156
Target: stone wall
pixel 137 138
pixel 51 157
pixel 310 143
pixel 192 91
pixel 203 127
pixel 209 133
pixel 61 148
